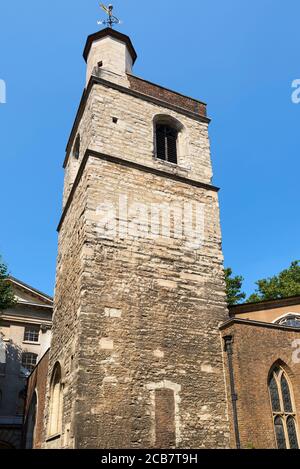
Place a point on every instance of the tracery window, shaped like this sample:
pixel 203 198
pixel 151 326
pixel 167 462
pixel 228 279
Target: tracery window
pixel 283 410
pixel 290 320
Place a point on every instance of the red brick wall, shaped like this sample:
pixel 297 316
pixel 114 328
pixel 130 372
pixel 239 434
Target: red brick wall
pixel 37 382
pixel 255 349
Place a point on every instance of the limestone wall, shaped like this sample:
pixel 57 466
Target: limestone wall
pixel 149 320
pixel 67 308
pixel 136 317
pixel 133 136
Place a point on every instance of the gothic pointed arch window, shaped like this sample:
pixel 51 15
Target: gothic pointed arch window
pixel 56 402
pixel 283 409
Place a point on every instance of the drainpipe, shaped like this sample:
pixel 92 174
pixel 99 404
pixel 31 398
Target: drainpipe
pixel 229 350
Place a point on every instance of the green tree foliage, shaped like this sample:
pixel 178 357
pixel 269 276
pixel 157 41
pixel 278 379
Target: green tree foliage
pixel 234 288
pixel 283 285
pixel 6 292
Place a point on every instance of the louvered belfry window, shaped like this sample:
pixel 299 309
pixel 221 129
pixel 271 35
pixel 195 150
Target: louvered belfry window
pixel 166 143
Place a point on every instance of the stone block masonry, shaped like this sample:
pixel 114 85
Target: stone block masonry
pixel 136 323
pixel 137 298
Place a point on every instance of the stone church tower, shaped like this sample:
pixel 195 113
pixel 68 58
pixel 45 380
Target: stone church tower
pixel 136 358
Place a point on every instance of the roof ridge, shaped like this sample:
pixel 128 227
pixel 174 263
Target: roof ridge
pixel 29 287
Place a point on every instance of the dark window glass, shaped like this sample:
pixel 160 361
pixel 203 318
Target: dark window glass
pixel 290 321
pixel 160 142
pixel 286 396
pixel 31 334
pixel 293 323
pixel 172 146
pixel 29 361
pixel 279 430
pixel 166 143
pixel 274 395
pixel 291 427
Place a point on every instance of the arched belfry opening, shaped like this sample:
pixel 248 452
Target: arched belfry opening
pixel 169 139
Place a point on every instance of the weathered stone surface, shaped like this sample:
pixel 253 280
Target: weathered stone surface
pixel 132 138
pixel 135 314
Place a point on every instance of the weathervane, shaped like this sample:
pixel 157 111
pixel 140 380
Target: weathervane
pixel 112 20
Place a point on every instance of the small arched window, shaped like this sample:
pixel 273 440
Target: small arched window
pixel 56 402
pixel 76 150
pixel 166 143
pixel 283 410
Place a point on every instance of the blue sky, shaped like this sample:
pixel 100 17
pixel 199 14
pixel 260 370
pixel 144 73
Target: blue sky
pixel 239 56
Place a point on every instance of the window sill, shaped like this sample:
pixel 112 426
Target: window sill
pixel 53 437
pixel 170 165
pixel 28 342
